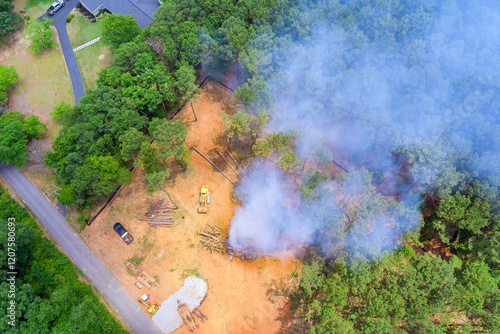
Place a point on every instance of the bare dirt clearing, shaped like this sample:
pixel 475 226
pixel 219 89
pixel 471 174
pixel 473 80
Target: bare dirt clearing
pixel 237 301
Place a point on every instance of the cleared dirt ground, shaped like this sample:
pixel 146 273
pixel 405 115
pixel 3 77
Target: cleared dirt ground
pixel 237 301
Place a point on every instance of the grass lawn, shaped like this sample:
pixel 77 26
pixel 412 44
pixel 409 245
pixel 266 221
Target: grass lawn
pixel 43 80
pixel 35 8
pixel 81 30
pixel 92 58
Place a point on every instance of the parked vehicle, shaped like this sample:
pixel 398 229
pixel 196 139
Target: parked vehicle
pixel 122 232
pixel 56 5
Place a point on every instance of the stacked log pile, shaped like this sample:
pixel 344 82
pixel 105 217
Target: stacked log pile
pixel 159 212
pixel 213 239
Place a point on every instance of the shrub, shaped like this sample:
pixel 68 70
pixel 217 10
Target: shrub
pixel 69 18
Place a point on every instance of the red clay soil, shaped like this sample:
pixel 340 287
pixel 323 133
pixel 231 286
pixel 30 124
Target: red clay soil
pixel 237 300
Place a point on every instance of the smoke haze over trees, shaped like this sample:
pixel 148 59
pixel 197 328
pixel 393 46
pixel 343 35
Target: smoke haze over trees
pixel 372 122
pixel 407 90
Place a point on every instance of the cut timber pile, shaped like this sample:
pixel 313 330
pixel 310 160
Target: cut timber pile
pixel 213 239
pixel 159 212
pixel 187 316
pixel 143 277
pixel 200 314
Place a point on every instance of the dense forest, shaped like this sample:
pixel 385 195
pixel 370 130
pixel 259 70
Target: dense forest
pixel 381 117
pixel 50 295
pixel 386 112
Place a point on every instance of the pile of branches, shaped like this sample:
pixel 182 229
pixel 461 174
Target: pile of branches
pixel 213 239
pixel 159 213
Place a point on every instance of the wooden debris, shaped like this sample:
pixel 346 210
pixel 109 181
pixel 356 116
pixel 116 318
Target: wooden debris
pixel 159 212
pixel 187 316
pixel 150 278
pixel 144 282
pixel 143 277
pixel 200 314
pixel 213 239
pixel 223 157
pixel 220 171
pixel 236 162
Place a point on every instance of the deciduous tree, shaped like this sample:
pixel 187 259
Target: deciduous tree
pixel 39 34
pixel 15 133
pixel 169 137
pixel 119 29
pixel 8 78
pixel 461 214
pixel 156 180
pixel 131 142
pixel 9 21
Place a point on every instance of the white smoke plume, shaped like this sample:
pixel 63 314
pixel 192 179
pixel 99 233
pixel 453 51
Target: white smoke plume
pixel 433 98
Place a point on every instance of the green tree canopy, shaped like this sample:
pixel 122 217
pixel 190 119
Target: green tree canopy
pixel 398 294
pixel 9 21
pixel 461 216
pixel 169 137
pixel 39 34
pixel 50 294
pixel 15 133
pixel 119 29
pixel 156 180
pixel 8 78
pixel 131 142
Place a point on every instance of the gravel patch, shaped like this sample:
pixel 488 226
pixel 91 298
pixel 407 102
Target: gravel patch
pixel 192 293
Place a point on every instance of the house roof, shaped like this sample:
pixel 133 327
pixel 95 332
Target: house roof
pixel 142 10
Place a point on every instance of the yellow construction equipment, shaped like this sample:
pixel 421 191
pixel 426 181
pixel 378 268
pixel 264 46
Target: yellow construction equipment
pixel 204 200
pixel 152 308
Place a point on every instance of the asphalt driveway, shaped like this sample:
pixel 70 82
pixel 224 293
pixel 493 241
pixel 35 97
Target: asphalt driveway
pixel 60 24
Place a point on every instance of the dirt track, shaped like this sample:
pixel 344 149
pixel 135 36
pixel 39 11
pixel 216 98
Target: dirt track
pixel 237 301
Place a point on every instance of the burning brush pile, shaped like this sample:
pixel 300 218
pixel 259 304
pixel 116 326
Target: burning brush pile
pixel 214 239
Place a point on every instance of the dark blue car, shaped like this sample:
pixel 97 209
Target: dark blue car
pixel 123 233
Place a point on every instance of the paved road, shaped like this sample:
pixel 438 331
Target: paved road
pixel 93 269
pixel 59 228
pixel 60 24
